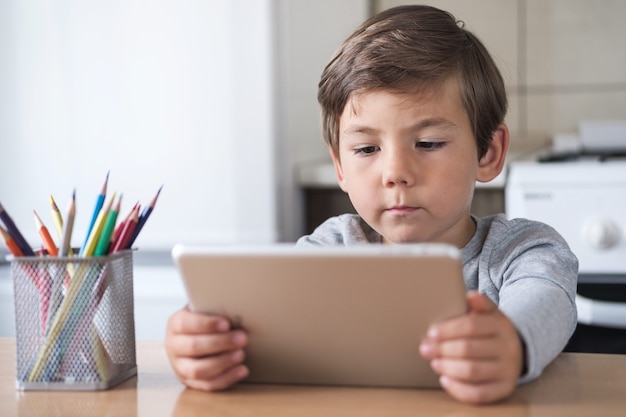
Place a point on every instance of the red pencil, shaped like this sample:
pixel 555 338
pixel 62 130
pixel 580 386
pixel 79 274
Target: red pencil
pixel 118 230
pixel 127 232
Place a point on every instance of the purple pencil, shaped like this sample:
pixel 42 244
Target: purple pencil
pixel 15 233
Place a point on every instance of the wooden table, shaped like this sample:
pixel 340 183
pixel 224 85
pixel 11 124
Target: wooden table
pixel 574 385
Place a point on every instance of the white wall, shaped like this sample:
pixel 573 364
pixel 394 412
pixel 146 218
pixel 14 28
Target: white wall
pixel 169 92
pixel 308 34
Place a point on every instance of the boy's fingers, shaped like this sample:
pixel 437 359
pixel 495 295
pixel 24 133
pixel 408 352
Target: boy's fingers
pixel 212 374
pixel 479 322
pixel 206 344
pixel 471 371
pixel 476 393
pixel 474 348
pixel 480 303
pixel 186 322
pixel 469 325
pixel 210 367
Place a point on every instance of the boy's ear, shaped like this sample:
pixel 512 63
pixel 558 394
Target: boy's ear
pixel 338 170
pixel 491 164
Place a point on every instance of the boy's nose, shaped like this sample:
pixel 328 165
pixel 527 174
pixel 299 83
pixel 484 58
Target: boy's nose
pixel 399 170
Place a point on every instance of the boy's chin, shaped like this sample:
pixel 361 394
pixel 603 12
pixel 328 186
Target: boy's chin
pixel 401 238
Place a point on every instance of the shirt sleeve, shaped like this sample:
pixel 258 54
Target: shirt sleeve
pixel 537 274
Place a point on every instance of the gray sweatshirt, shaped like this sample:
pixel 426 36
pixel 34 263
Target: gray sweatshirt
pixel 523 266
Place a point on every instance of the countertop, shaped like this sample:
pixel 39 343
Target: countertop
pixel 573 385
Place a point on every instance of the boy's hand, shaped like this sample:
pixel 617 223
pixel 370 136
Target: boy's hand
pixel 204 352
pixel 478 355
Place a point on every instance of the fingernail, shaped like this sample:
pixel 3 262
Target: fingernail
pixel 426 348
pixel 242 372
pixel 432 333
pixel 237 356
pixel 222 326
pixel 239 338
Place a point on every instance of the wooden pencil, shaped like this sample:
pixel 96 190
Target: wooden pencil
pixel 144 217
pixel 90 246
pixel 104 241
pixel 96 211
pixel 124 239
pixel 57 218
pixel 12 229
pixel 11 245
pixel 66 247
pixel 47 240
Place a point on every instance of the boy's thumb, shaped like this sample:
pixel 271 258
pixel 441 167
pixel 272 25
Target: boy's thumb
pixel 480 303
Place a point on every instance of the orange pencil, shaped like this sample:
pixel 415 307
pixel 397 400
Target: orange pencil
pixel 48 242
pixel 13 248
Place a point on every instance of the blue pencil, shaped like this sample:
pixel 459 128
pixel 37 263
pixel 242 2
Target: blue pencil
pixel 96 210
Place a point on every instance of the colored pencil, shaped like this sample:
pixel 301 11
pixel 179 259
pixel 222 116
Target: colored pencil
pixel 8 239
pixel 120 226
pixel 144 216
pixel 47 240
pixel 104 241
pixel 97 208
pixel 130 226
pixel 90 246
pixel 57 218
pixel 66 247
pixel 15 233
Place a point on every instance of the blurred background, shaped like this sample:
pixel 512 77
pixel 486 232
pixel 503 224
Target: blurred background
pixel 216 101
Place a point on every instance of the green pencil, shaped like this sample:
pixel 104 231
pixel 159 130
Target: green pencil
pixel 105 237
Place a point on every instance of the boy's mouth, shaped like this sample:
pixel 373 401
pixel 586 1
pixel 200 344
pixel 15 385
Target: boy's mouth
pixel 402 210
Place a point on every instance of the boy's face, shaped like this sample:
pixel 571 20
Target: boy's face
pixel 409 163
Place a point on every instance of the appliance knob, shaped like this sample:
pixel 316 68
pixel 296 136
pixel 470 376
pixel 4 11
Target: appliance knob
pixel 601 233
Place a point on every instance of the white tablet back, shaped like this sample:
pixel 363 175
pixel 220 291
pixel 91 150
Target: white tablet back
pixel 337 316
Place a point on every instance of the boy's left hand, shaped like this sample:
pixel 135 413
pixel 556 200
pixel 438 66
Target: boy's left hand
pixel 479 355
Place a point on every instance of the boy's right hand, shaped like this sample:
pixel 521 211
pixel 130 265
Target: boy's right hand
pixel 204 351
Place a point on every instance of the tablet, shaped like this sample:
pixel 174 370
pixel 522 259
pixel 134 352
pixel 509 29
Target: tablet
pixel 329 315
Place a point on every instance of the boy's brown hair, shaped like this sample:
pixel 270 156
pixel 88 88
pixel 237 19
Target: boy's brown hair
pixel 411 49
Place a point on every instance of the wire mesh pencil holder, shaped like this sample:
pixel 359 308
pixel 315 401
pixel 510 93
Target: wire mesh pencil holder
pixel 74 319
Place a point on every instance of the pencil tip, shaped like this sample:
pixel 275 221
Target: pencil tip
pixel 53 203
pixel 104 186
pixel 154 200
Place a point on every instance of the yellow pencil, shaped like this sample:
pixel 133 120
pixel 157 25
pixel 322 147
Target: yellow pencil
pixel 57 218
pixel 92 240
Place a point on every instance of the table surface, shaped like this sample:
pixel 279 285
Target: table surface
pixel 575 384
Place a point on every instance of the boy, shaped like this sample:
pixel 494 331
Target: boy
pixel 412 110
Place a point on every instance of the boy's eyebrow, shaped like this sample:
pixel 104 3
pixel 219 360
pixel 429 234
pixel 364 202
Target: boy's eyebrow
pixel 422 124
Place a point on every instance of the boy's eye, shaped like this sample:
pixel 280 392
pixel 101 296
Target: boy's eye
pixel 365 150
pixel 430 145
